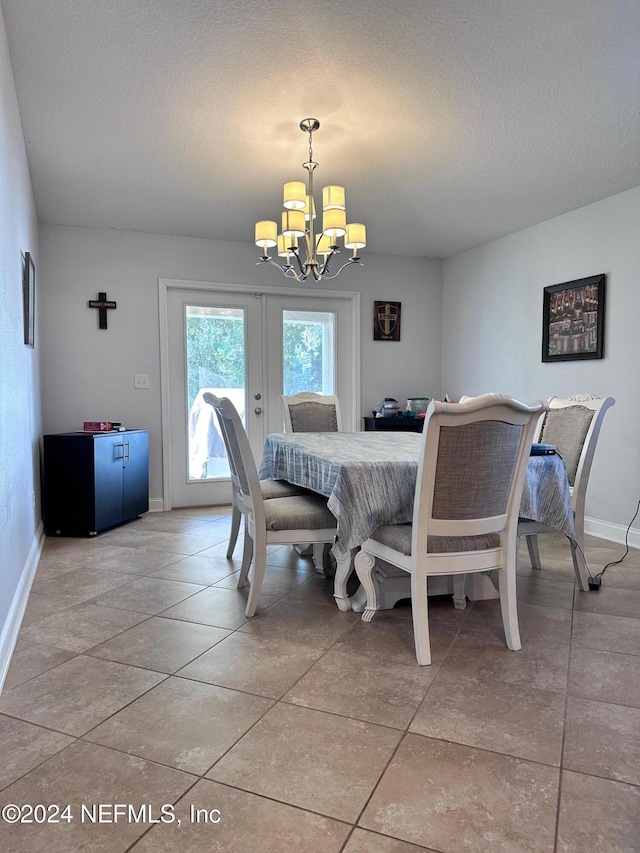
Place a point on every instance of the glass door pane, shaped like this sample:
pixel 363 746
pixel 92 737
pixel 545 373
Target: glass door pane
pixel 215 362
pixel 312 344
pixel 251 348
pixel 214 343
pixel 308 352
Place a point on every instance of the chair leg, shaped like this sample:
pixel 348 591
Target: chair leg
pixel 534 553
pixel 344 568
pixel 579 566
pixel 247 554
pixel 509 607
pixel 365 568
pixel 459 595
pixel 318 558
pixel 257 575
pixel 577 553
pixel 420 612
pixel 235 527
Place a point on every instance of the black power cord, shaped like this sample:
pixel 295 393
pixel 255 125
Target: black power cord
pixel 595 581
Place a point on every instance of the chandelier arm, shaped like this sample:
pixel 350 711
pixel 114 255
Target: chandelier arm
pixel 318 274
pixel 347 264
pixel 287 272
pixel 300 264
pixel 324 269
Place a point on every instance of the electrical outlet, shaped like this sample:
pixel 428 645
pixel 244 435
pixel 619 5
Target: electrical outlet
pixel 141 380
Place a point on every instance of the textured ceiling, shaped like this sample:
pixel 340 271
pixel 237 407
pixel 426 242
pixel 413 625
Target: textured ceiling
pixel 449 123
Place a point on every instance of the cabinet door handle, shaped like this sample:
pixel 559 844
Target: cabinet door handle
pixel 127 451
pixel 116 447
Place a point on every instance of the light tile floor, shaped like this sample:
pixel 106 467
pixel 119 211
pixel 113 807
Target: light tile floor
pixel 137 680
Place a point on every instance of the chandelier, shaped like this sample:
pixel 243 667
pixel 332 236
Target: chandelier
pixel 298 242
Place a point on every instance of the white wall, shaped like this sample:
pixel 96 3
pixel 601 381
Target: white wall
pixel 492 327
pixel 411 366
pixel 19 373
pixel 88 373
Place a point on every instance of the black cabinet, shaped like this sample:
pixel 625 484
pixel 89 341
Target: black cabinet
pixel 94 480
pixel 394 424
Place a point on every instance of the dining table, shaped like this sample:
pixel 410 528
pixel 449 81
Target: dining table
pixel 369 480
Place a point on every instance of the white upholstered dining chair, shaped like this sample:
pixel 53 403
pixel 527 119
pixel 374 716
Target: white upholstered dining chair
pixel 573 425
pixel 311 412
pixel 279 521
pixel 270 489
pixel 469 484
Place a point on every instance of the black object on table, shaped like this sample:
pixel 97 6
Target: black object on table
pixel 394 424
pixel 93 481
pixel 543 450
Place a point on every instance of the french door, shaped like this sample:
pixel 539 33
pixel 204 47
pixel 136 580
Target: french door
pixel 250 347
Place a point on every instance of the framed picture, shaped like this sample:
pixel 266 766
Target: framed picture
pixel 28 298
pixel 573 320
pixel 386 321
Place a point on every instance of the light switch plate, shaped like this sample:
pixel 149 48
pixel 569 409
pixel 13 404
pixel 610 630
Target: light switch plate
pixel 141 380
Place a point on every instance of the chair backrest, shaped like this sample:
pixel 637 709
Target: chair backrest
pixel 244 473
pixel 573 425
pixel 310 412
pixel 472 467
pixel 211 399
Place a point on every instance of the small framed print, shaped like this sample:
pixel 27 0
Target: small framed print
pixel 386 321
pixel 29 298
pixel 573 320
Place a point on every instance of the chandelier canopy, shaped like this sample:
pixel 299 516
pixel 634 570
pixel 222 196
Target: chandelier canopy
pixel 298 243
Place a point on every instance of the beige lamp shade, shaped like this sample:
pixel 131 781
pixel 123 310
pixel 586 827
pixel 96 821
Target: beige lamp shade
pixel 324 245
pixel 356 236
pixel 293 223
pixel 266 233
pixel 334 222
pixel 295 194
pixel 333 197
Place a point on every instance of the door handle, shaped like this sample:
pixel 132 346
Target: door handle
pixel 258 410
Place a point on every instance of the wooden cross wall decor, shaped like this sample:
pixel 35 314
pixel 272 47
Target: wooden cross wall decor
pixel 101 303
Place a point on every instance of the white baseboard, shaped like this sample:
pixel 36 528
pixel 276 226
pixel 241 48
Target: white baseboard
pixel 156 505
pixel 612 532
pixel 9 634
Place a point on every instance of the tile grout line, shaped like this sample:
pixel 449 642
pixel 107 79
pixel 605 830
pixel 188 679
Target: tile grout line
pixel 556 831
